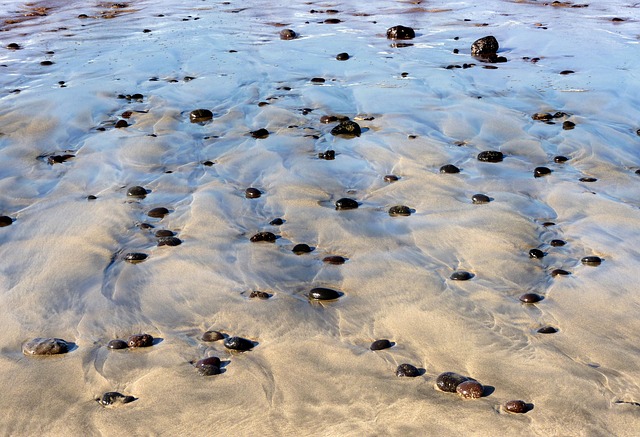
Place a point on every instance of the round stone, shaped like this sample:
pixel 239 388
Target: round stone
pixel 487 45
pixel 329 155
pixel 169 241
pixel 461 276
pixel 276 222
pixel 259 295
pixel 541 171
pixel 268 237
pixel 318 80
pixel 164 233
pixel 260 133
pixel 342 56
pixel 238 344
pixel 480 199
pixel 200 115
pixel 13 46
pixel 559 272
pixel 380 344
pixel 209 361
pixel 135 257
pixel 137 191
pixel 568 125
pixel 399 210
pixel 490 156
pixel 301 248
pixel 334 259
pixel 121 123
pixel 449 381
pixel 536 254
pixel 212 336
pixel 252 193
pixel 113 397
pixel 140 340
pixel 470 389
pixel 347 128
pixel 391 178
pixel 530 298
pixel 557 243
pixel 593 261
pixel 400 32
pixel 449 169
pixel 208 370
pixel 117 344
pixel 518 407
pixel 547 330
pixel 45 346
pixel 158 212
pixel 321 293
pixel 288 34
pixel 407 370
pixel 346 203
pixel 5 221
pixel 560 159
pixel 326 119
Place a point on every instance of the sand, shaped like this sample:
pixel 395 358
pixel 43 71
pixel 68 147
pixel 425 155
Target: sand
pixel 311 372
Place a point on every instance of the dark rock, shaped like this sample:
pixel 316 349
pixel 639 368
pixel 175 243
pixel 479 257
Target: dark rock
pixel 380 344
pixel 557 243
pixel 158 212
pixel 210 361
pixel 567 72
pixel 407 370
pixel 346 203
pixel 329 155
pixel 263 236
pixel 113 397
pixel 391 178
pixel 318 80
pixel 536 254
pixel 568 125
pixel 288 34
pixel 169 241
pixel 480 199
pixel 45 346
pixel 530 298
pixel 541 171
pixel 238 344
pixel 559 272
pixel 301 248
pixel 449 169
pixel 121 123
pixel 461 276
pixel 140 340
pixel 485 46
pixel 400 32
pixel 117 344
pixel 13 46
pixel 212 336
pixel 593 261
pixel 547 330
pixel 276 222
pixel 59 159
pixel 516 407
pixel 259 294
pixel 252 193
pixel 470 389
pixel 560 159
pixel 200 115
pixel 332 21
pixel 326 119
pixel 347 128
pixel 46 63
pixel 164 233
pixel 137 191
pixel 588 180
pixel 5 221
pixel 449 381
pixel 208 370
pixel 260 133
pixel 91 197
pixel 323 294
pixel 542 116
pixel 342 56
pixel 490 156
pixel 399 210
pixel 208 163
pixel 334 259
pixel 135 257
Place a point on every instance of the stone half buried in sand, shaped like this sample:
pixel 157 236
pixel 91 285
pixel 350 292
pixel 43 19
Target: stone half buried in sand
pixel 113 398
pixel 449 381
pixel 347 128
pixel 288 34
pixel 5 220
pixel 208 366
pixel 321 293
pixel 407 370
pixel 400 32
pixel 400 211
pixel 346 203
pixel 45 346
pixel 140 340
pixel 200 115
pixel 238 344
pixel 267 237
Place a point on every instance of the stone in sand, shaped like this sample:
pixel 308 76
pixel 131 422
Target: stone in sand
pixel 208 370
pixel 449 381
pixel 559 272
pixel 470 389
pixel 121 124
pixel 238 344
pixel 334 259
pixel 346 203
pixel 301 248
pixel 158 212
pixel 169 241
pixel 276 222
pixel 45 346
pixel 59 159
pixel 347 128
pixel 329 155
pixel 113 397
pixel 380 344
pixel 547 330
pixel 209 361
pixel 13 46
pixel 288 34
pixel 568 125
pixel 400 32
pixel 140 340
pixel 268 237
pixel 530 298
pixel 5 221
pixel 480 199
pixel 321 293
pixel 212 336
pixel 137 191
pixel 117 344
pixel 259 134
pixel 449 169
pixel 407 370
pixel 541 171
pixel 593 261
pixel 487 45
pixel 91 197
pixel 560 159
pixel 200 115
pixel 259 294
pixel 517 406
pixel 536 254
pixel 490 156
pixel 252 193
pixel 557 243
pixel 461 275
pixel 164 233
pixel 326 119
pixel 399 210
pixel 135 257
pixel 391 178
pixel 342 56
pixel 588 180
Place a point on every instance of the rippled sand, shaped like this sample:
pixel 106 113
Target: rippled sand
pixel 311 373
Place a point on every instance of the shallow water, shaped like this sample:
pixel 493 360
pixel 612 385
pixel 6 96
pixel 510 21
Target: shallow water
pixel 312 373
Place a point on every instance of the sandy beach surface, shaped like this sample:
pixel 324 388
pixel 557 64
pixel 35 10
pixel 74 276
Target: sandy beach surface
pixel 96 98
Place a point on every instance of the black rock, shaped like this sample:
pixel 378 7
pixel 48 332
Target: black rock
pixel 137 191
pixel 342 56
pixel 135 257
pixel 113 397
pixel 485 46
pixel 400 32
pixel 568 125
pixel 347 128
pixel 212 336
pixel 91 197
pixel 121 124
pixel 591 261
pixel 140 340
pixel 208 370
pixel 536 253
pixel 461 276
pixel 542 116
pixel 259 295
pixel 169 241
pixel 560 159
pixel 334 259
pixel 209 361
pixel 252 193
pixel 276 222
pixel 547 330
pixel 238 344
pixel 59 159
pixel 329 155
pixel 588 180
pixel 480 199
pixel 13 46
pixel 200 115
pixel 407 370
pixel 164 233
pixel 449 381
pixel 530 298
pixel 5 221
pixel 450 169
pixel 288 34
pixel 559 272
pixel 399 210
pixel 158 212
pixel 490 156
pixel 346 203
pixel 45 346
pixel 541 171
pixel 380 344
pixel 301 248
pixel 557 243
pixel 323 294
pixel 259 134
pixel 117 344
pixel 391 178
pixel 268 237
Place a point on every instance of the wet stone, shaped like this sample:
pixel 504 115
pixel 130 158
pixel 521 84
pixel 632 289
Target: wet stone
pixel 346 203
pixel 559 272
pixel 158 212
pixel 517 406
pixel 238 344
pixel 347 128
pixel 485 46
pixel 117 344
pixel 557 243
pixel 449 381
pixel 113 397
pixel 208 163
pixel 200 115
pixel 400 32
pixel 542 116
pixel 326 119
pixel 399 210
pixel 263 236
pixel 169 241
pixel 332 21
pixel 301 248
pixel 137 191
pixel 568 125
pixel 208 370
pixel 209 361
pixel 391 178
pixel 470 389
pixel 334 259
pixel 140 340
pixel 260 133
pixel 560 159
pixel 287 34
pixel 329 155
pixel 164 233
pixel 449 169
pixel 480 199
pixel 342 56
pixel 59 159
pixel 541 171
pixel 121 123
pixel 212 336
pixel 530 298
pixel 276 222
pixel 407 370
pixel 13 46
pixel 547 330
pixel 252 193
pixel 380 345
pixel 593 261
pixel 321 293
pixel 135 257
pixel 490 156
pixel 5 221
pixel 91 197
pixel 564 72
pixel 259 295
pixel 45 346
pixel 536 254
pixel 46 63
pixel 318 80
pixel 461 276
pixel 588 180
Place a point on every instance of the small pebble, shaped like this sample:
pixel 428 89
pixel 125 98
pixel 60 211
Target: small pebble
pixel 332 21
pixel 113 397
pixel 169 241
pixel 263 236
pixel 490 156
pixel 542 116
pixel 346 203
pixel 461 276
pixel 252 193
pixel 209 361
pixel 547 330
pixel 567 72
pixel 399 210
pixel 140 340
pixel 14 46
pixel 407 370
pixel 158 212
pixel 449 168
pixel 200 115
pixel 5 221
pixel 121 123
pixel 391 178
pixel 541 171
pixel 536 254
pixel 46 63
pixel 559 272
pixel 560 159
pixel 530 298
pixel 347 128
pixel 449 381
pixel 557 243
pixel 400 32
pixel 516 407
pixel 318 80
pixel 276 222
pixel 470 389
pixel 326 119
pixel 59 159
pixel 288 34
pixel 480 199
pixel 259 294
pixel 117 344
pixel 45 346
pixel 208 370
pixel 259 134
pixel 135 257
pixel 342 56
pixel 212 336
pixel 164 233
pixel 588 180
pixel 334 259
pixel 329 155
pixel 91 197
pixel 593 261
pixel 301 248
pixel 238 344
pixel 323 294
pixel 568 125
pixel 380 344
pixel 137 191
